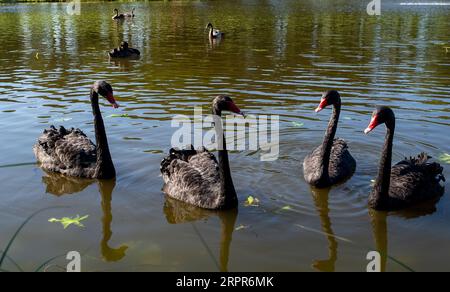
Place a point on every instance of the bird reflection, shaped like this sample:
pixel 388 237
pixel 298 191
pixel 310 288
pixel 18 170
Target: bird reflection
pixel 179 212
pixel 380 226
pixel 109 254
pixel 59 185
pixel 320 197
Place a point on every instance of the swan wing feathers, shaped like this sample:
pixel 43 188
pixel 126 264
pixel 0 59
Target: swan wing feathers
pixel 416 179
pixel 342 163
pixel 62 149
pixel 193 177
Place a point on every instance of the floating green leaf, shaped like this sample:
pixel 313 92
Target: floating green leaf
pixel 241 227
pixel 259 50
pixel 118 116
pixel 252 201
pixel 298 125
pixel 286 208
pixel 63 120
pixel 67 221
pixel 445 158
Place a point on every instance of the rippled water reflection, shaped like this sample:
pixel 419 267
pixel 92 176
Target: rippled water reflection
pixel 277 58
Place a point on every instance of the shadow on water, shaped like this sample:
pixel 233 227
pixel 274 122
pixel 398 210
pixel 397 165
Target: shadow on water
pixel 320 197
pixel 179 212
pixel 59 185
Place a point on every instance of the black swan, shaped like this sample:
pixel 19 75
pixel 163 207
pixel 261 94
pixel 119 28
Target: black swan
pixel 71 153
pixel 409 182
pixel 196 177
pixel 123 51
pixel 214 33
pixel 131 14
pixel 331 162
pixel 117 15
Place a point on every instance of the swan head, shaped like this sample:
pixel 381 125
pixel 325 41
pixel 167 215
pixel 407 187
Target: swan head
pixel 209 25
pixel 225 103
pixel 331 97
pixel 124 45
pixel 104 89
pixel 381 115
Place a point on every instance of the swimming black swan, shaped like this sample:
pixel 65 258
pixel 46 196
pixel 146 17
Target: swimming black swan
pixel 124 52
pixel 196 177
pixel 331 162
pixel 410 181
pixel 214 33
pixel 117 15
pixel 71 153
pixel 131 14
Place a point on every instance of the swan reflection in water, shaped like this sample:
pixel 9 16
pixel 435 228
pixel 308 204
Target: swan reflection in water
pixel 320 197
pixel 380 226
pixel 179 212
pixel 60 185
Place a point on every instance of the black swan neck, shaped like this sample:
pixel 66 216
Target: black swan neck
pixel 328 142
pixel 380 194
pixel 105 167
pixel 224 165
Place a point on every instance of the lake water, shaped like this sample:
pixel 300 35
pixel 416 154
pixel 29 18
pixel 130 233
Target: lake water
pixel 277 58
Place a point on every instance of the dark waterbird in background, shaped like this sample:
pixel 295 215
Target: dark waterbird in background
pixel 70 152
pixel 124 51
pixel 196 177
pixel 410 181
pixel 214 33
pixel 117 15
pixel 330 163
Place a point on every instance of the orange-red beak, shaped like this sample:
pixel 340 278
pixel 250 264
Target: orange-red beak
pixel 232 107
pixel 323 104
pixel 373 124
pixel 112 100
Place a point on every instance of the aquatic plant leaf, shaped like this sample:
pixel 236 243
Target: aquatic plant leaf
pixel 63 120
pixel 251 201
pixel 241 227
pixel 67 221
pixel 286 208
pixel 118 116
pixel 444 158
pixel 37 56
pixel 298 125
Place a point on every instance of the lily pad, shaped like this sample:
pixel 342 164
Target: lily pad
pixel 445 158
pixel 67 221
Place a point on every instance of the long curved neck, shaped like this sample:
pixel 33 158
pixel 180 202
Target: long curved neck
pixel 380 194
pixel 211 31
pixel 327 143
pixel 224 166
pixel 105 167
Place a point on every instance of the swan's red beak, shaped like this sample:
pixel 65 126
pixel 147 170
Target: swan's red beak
pixel 232 107
pixel 323 104
pixel 373 124
pixel 112 100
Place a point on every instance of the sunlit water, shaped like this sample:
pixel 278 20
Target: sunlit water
pixel 277 58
